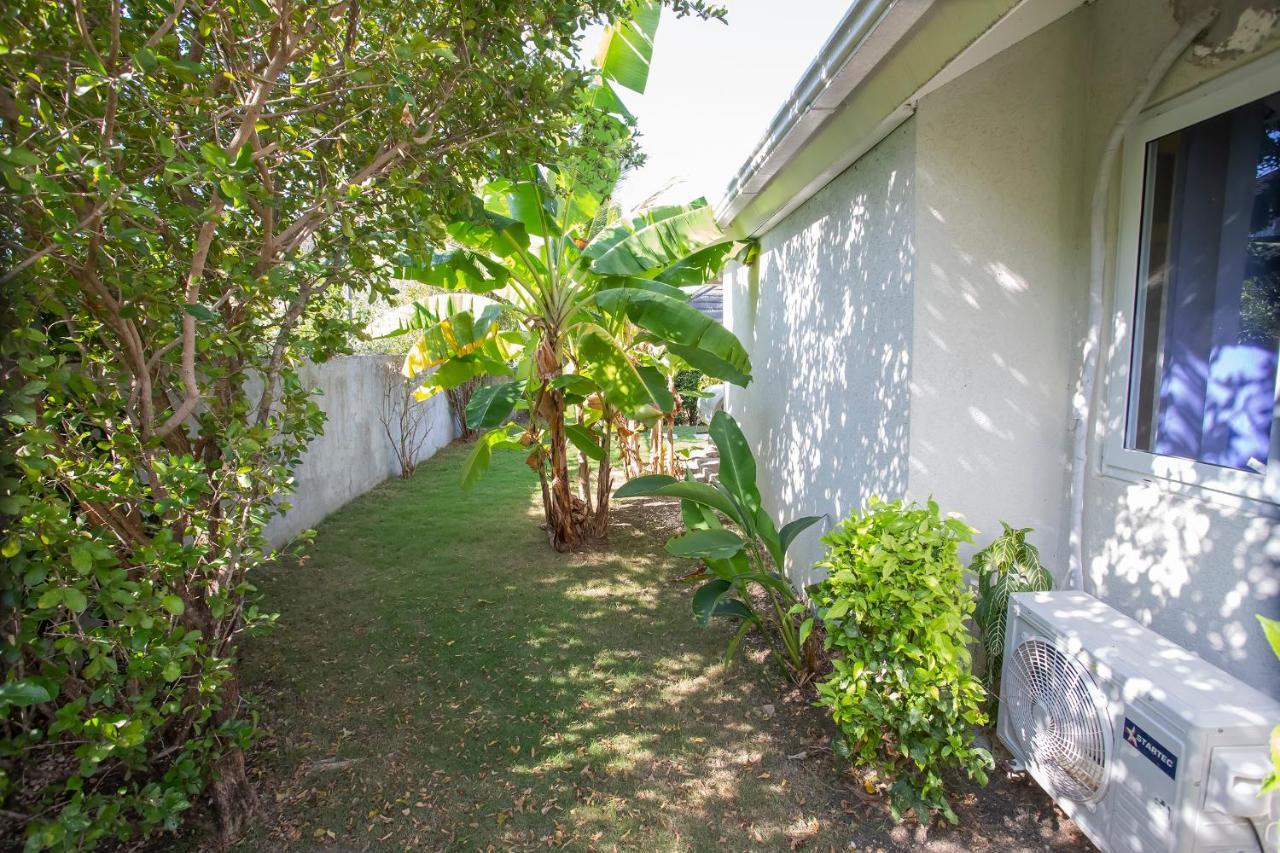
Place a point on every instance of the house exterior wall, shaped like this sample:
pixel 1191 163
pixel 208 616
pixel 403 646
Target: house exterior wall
pixel 1000 163
pixel 828 324
pixel 998 270
pixel 1194 569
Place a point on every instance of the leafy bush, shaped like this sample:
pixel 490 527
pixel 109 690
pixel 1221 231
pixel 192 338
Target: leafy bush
pixel 193 194
pixel 751 555
pixel 1009 564
pixel 1271 629
pixel 689 384
pixel 894 605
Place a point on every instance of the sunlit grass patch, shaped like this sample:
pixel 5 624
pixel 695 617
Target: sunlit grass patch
pixel 441 679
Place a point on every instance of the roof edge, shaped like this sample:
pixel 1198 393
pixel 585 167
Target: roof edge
pixel 822 88
pixel 861 46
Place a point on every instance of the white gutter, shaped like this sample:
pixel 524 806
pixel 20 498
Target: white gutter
pixel 868 31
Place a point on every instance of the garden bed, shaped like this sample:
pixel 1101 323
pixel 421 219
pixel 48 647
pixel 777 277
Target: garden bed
pixel 441 679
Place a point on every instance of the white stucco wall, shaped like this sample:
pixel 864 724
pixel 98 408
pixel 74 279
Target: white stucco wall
pixel 998 270
pixel 1196 570
pixel 354 454
pixel 978 302
pixel 828 324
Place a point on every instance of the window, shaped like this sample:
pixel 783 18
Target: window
pixel 1199 396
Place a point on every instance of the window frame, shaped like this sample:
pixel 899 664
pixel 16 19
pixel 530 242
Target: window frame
pixel 1248 490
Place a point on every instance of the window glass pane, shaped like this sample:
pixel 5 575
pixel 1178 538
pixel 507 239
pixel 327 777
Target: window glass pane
pixel 1207 319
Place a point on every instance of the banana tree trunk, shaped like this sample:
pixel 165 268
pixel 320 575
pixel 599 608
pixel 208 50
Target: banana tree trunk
pixel 564 532
pixel 584 483
pixel 673 467
pixel 604 483
pixel 546 495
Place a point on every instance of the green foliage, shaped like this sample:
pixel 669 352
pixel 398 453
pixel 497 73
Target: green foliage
pixel 1271 628
pixel 1009 564
pixel 746 556
pixel 894 605
pixel 626 50
pixel 689 384
pixel 193 194
pixel 542 312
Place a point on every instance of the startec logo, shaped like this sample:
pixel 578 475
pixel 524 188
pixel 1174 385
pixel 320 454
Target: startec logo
pixel 1152 749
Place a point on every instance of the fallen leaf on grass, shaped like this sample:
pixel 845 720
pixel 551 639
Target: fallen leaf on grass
pixel 802 831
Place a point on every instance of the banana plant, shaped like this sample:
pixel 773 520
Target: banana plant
pixel 559 305
pixel 661 456
pixel 729 530
pixel 562 295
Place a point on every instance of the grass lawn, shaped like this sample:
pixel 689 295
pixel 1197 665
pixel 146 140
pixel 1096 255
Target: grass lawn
pixel 441 679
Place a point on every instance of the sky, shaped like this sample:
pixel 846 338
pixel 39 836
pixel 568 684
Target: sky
pixel 713 89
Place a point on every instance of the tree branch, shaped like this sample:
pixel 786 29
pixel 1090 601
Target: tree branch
pixel 192 295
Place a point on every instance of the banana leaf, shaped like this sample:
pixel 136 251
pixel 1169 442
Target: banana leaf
pixel 654 241
pixel 487 231
pixel 490 405
pixel 585 441
pixel 604 363
pixel 457 270
pixel 699 267
pixel 645 485
pixel 711 544
pixel 452 337
pixel 627 47
pixel 693 336
pixel 617 282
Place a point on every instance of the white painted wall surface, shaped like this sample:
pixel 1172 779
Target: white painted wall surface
pixel 999 274
pixel 1195 570
pixel 827 410
pixel 354 454
pixel 992 268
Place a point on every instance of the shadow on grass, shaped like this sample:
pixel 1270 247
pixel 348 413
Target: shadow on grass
pixel 442 679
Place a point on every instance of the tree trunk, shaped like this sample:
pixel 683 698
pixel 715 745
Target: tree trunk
pixel 564 533
pixel 234 801
pixel 672 468
pixel 584 482
pixel 604 485
pixel 546 496
pixel 628 449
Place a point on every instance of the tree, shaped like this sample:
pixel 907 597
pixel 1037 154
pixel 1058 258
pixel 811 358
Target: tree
pixel 584 300
pixel 406 425
pixel 191 188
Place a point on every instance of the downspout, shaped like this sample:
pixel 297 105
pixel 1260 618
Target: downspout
pixel 1082 401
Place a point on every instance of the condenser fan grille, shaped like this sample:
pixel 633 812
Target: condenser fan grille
pixel 1058 717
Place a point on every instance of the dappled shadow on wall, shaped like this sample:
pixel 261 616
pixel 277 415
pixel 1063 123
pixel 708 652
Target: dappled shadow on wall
pixel 995 286
pixel 828 408
pixel 1183 557
pixel 1196 572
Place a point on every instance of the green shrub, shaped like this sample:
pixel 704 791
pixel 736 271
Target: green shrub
pixel 1009 564
pixel 1271 628
pixel 902 691
pixel 748 554
pixel 689 384
pixel 193 197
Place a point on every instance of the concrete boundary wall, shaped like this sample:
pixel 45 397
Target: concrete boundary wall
pixel 354 454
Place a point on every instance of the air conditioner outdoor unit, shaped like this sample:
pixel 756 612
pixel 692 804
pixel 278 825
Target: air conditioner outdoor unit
pixel 1146 746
